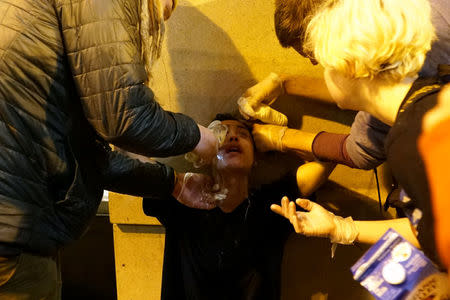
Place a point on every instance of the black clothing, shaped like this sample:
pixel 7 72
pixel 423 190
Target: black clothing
pixel 216 255
pixel 404 158
pixel 71 81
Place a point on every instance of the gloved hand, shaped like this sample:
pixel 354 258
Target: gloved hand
pixel 196 191
pixel 206 150
pixel 317 221
pixel 256 101
pixel 268 137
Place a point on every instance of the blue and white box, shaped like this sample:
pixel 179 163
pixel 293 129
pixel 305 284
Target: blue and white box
pixel 394 269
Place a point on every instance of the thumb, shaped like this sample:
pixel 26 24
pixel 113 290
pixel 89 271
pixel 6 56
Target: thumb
pixel 269 115
pixel 305 204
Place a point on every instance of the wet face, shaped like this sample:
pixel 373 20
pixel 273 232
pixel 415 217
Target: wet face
pixel 237 151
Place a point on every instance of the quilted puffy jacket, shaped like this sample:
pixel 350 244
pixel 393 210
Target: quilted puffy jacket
pixel 71 81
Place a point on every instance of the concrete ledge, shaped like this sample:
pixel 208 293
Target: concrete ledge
pixel 125 209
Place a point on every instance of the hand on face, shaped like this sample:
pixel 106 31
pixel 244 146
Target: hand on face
pixel 206 150
pixel 236 152
pixel 268 137
pixel 255 102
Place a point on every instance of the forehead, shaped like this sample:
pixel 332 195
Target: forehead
pixel 235 123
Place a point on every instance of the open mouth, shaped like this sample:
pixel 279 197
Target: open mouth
pixel 233 149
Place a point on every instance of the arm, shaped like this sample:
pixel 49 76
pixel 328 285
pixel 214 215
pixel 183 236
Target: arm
pixel 312 175
pixel 109 77
pixel 281 138
pixel 156 181
pixel 255 102
pixel 318 222
pixel 308 87
pixel 371 231
pixel 126 175
pixel 362 149
pixel 300 142
pixel 329 147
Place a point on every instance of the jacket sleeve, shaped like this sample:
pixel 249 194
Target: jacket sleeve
pixel 133 177
pixel 103 49
pixel 365 144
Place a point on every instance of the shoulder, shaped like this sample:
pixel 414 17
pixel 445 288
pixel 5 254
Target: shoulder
pixel 365 121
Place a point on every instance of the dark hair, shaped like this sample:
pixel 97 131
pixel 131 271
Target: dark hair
pixel 228 116
pixel 291 19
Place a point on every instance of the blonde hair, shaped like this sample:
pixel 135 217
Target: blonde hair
pixel 151 30
pixel 386 39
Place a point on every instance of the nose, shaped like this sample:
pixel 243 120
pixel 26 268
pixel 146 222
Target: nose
pixel 232 135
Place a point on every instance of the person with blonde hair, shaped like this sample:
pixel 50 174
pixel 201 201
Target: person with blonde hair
pixel 72 82
pixel 363 148
pixel 371 63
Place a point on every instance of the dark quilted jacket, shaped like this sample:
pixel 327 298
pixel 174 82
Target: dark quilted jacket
pixel 71 81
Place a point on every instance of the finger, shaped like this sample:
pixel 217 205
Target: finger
pixel 285 206
pixel 244 108
pixel 292 210
pixel 269 115
pixel 277 209
pixel 305 204
pixel 243 114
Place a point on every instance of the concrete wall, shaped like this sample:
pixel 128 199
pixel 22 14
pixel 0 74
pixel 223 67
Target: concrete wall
pixel 214 51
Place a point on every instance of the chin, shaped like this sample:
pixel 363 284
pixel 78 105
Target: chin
pixel 236 168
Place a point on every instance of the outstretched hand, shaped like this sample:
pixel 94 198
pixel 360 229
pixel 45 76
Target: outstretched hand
pixel 316 221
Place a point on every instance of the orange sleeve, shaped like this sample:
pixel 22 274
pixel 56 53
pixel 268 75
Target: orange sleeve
pixel 434 147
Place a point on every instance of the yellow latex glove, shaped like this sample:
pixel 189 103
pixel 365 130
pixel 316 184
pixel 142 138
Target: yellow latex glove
pixel 317 221
pixel 268 137
pixel 256 101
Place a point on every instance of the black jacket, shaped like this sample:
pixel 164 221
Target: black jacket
pixel 405 161
pixel 72 81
